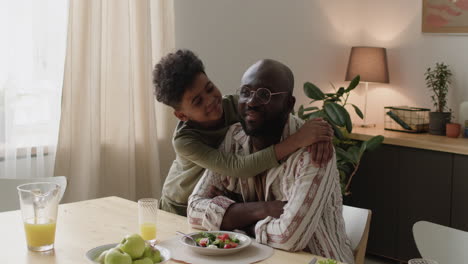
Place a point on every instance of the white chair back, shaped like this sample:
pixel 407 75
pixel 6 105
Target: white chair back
pixel 9 199
pixel 443 244
pixel 357 221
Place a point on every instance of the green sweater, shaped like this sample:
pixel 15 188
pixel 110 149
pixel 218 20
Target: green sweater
pixel 197 150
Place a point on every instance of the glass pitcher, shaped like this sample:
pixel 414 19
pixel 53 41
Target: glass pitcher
pixel 39 203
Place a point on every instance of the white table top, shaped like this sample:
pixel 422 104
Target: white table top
pixel 87 224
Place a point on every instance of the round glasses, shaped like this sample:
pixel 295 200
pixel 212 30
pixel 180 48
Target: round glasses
pixel 263 95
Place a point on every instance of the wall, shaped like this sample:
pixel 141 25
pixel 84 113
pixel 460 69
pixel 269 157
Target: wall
pixel 396 25
pixel 314 39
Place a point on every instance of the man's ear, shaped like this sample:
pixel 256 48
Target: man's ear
pixel 181 116
pixel 291 103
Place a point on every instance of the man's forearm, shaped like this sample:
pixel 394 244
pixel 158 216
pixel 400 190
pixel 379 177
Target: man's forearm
pixel 241 215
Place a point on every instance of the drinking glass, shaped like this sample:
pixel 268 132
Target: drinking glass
pixel 39 203
pixel 422 261
pixel 147 214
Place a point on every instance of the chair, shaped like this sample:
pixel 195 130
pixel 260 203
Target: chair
pixel 357 221
pixel 441 243
pixel 9 199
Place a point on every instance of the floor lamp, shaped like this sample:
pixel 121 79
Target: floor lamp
pixel 371 64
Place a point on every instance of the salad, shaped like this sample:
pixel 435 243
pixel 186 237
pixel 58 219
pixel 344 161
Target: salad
pixel 220 240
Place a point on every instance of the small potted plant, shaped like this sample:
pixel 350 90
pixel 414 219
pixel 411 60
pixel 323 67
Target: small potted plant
pixel 438 80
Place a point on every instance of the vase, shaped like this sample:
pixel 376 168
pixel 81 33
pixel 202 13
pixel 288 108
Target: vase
pixel 453 130
pixel 437 122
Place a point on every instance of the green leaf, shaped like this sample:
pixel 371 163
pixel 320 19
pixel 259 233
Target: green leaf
pixel 337 114
pixel 363 148
pixel 374 142
pixel 340 91
pixel 354 153
pixel 310 108
pixel 315 114
pixel 313 91
pixel 358 111
pixel 337 131
pixel 353 83
pixel 342 154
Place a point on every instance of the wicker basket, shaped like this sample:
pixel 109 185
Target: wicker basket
pixel 406 119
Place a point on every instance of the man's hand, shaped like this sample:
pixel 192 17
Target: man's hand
pixel 274 208
pixel 321 153
pixel 313 131
pixel 242 215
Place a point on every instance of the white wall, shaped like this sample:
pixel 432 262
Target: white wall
pixel 396 25
pixel 314 39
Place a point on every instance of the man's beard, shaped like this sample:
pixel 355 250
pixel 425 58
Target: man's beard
pixel 269 128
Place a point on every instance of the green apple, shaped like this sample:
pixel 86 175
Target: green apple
pixel 101 257
pixel 115 256
pixel 143 261
pixel 152 254
pixel 134 245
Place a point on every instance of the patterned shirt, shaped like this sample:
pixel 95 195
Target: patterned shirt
pixel 312 217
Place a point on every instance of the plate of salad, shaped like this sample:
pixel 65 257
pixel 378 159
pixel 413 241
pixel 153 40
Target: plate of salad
pixel 215 243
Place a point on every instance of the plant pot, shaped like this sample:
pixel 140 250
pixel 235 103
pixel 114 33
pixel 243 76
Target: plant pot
pixel 437 122
pixel 453 130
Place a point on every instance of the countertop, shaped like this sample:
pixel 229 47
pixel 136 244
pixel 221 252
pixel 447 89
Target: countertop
pixel 421 141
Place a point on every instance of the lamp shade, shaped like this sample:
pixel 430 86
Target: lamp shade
pixel 368 62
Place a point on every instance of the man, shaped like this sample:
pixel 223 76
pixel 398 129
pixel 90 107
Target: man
pixel 294 206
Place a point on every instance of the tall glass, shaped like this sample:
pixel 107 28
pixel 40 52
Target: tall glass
pixel 39 203
pixel 147 214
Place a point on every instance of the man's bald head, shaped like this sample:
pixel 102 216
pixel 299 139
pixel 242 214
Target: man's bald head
pixel 266 118
pixel 272 70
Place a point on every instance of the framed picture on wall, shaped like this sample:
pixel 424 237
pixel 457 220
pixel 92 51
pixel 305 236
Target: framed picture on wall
pixel 445 16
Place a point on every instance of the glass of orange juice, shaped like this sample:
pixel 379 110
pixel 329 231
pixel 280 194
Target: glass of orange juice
pixel 147 213
pixel 39 204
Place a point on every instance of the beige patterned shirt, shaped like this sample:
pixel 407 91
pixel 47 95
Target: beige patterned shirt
pixel 312 217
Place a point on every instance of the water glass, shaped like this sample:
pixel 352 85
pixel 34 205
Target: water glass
pixel 422 261
pixel 147 214
pixel 39 205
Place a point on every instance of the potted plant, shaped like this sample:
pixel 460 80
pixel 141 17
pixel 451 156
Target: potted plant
pixel 348 152
pixel 438 80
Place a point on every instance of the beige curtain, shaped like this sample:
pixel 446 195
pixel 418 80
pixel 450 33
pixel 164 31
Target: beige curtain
pixel 108 142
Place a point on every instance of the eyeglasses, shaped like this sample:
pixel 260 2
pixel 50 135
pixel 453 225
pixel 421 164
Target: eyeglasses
pixel 263 95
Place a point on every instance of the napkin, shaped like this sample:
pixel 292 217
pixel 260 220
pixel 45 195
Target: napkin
pixel 253 253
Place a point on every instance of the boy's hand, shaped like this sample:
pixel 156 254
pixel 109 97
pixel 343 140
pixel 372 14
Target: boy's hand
pixel 321 153
pixel 313 131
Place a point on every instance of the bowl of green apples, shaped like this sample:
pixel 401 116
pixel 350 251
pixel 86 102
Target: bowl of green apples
pixel 131 250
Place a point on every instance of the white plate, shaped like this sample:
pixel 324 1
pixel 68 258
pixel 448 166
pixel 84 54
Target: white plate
pixel 244 242
pixel 92 254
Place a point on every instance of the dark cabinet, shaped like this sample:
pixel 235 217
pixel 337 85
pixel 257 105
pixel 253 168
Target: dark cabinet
pixel 402 186
pixel 374 187
pixel 460 192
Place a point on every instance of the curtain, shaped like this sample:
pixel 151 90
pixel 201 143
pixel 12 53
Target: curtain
pixel 108 142
pixel 32 52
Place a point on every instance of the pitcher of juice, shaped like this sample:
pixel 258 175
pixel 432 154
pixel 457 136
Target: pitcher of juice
pixel 39 203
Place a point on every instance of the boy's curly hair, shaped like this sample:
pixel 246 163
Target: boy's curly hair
pixel 173 74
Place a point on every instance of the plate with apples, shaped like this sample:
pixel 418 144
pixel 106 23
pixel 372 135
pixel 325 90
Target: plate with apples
pixel 131 250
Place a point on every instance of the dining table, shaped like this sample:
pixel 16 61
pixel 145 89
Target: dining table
pixel 87 224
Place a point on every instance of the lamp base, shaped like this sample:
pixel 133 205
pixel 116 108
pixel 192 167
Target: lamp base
pixel 367 125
